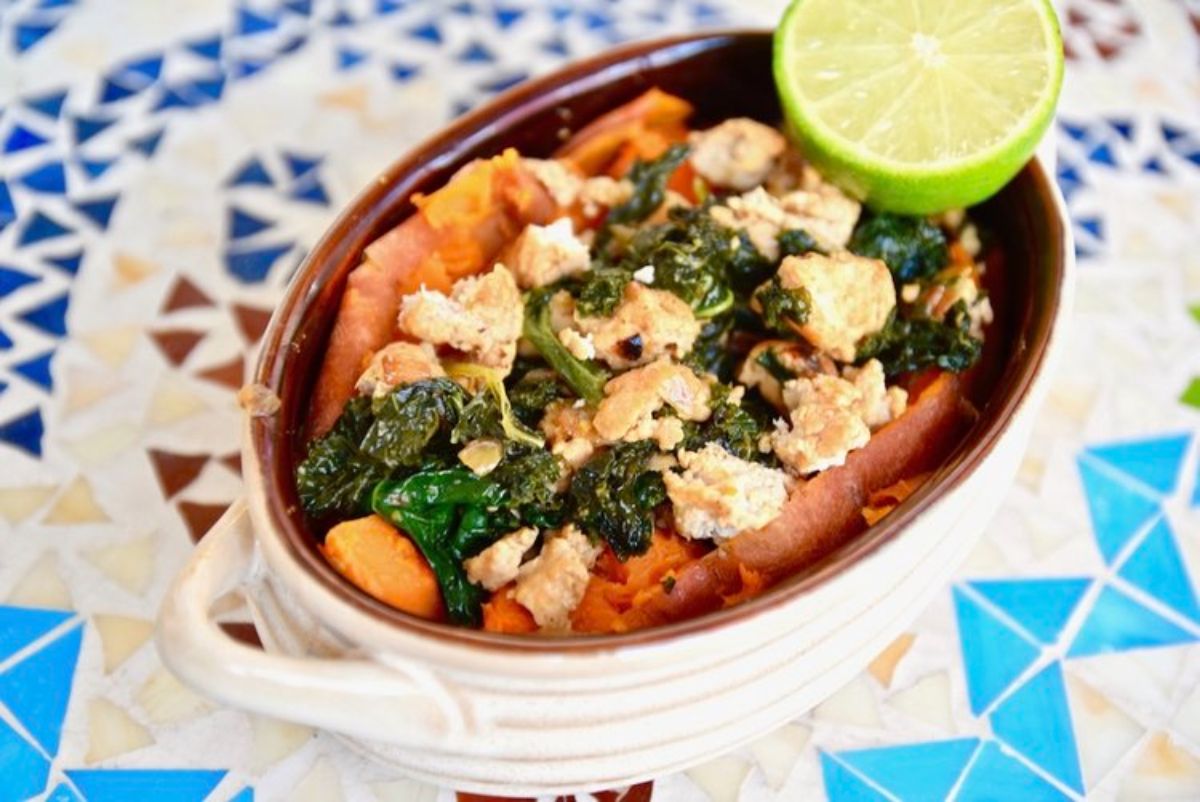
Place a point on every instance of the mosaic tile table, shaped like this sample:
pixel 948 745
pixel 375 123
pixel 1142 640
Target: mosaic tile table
pixel 166 164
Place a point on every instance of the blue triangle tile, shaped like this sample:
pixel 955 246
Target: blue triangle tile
pixel 94 168
pixel 1035 720
pixel 293 44
pixel 843 785
pixel 1077 132
pixel 993 654
pixel 25 432
pixel 114 91
pixel 463 9
pixel 302 7
pixel 383 7
pixel 1040 606
pixel 99 211
pixel 506 16
pixel 208 90
pixel 3 386
pixel 251 22
pixel 8 211
pixel 29 34
pixel 1118 510
pixel 68 263
pixel 243 224
pixel 403 72
pixel 253 266
pixel 5 343
pixel 145 70
pixel 37 370
pixel 148 143
pixel 1156 462
pixel 244 68
pixel 1193 157
pixel 505 82
pixel 560 12
pixel 50 317
pixel 299 165
pixel 597 21
pixel 349 57
pixel 49 4
pixel 476 53
pixel 48 105
pixel 1123 127
pixel 1172 133
pixel 1156 568
pixel 21 626
pixel 162 785
pixel 36 690
pixel 923 772
pixel 429 31
pixel 64 793
pixel 49 178
pixel 209 48
pixel 461 107
pixel 252 172
pixel 1084 252
pixel 245 795
pixel 25 769
pixel 310 190
pixel 21 138
pixel 1117 623
pixel 341 19
pixel 88 127
pixel 997 776
pixel 12 280
pixel 556 47
pixel 703 13
pixel 1093 226
pixel 174 97
pixel 41 227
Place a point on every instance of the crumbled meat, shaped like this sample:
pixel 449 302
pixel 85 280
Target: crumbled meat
pixel 579 345
pixel 396 364
pixel 849 298
pixel 832 416
pixel 646 325
pixel 602 192
pixel 562 311
pixel 499 563
pixel 719 495
pixel 569 432
pixel 481 317
pixel 551 585
pixel 545 254
pixel 738 153
pixel 825 213
pixel 563 183
pixel 795 358
pixel 632 399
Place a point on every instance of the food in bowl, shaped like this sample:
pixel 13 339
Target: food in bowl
pixel 638 381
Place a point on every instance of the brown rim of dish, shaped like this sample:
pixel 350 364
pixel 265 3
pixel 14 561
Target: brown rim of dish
pixel 315 290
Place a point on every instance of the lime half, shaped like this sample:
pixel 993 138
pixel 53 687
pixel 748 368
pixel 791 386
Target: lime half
pixel 919 106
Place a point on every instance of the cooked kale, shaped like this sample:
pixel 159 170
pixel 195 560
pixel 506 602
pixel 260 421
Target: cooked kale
pixel 782 308
pixel 908 344
pixel 587 379
pixel 710 353
pixel 336 477
pixel 770 362
pixel 530 478
pixel 649 181
pixel 413 420
pixel 533 392
pixel 613 497
pixel 601 291
pixel 912 247
pixel 797 242
pixel 735 427
pixel 450 515
pixel 489 413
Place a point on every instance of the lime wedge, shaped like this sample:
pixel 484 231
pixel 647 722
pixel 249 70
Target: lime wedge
pixel 919 106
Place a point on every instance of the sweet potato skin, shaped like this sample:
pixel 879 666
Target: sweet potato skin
pixel 385 564
pixel 642 128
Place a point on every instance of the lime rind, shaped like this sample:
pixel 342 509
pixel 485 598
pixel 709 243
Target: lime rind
pixel 908 187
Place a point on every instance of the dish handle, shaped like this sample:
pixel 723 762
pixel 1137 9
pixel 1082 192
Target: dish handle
pixel 399 704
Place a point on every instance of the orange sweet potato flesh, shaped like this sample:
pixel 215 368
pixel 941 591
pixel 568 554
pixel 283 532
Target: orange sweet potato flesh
pixel 502 613
pixel 456 231
pixel 385 564
pixel 821 515
pixel 648 125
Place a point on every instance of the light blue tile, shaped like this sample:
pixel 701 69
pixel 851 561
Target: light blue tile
pixel 922 772
pixel 997 777
pixel 1040 606
pixel 1117 623
pixel 1118 510
pixel 1157 568
pixel 843 785
pixel 63 793
pixel 160 785
pixel 1036 721
pixel 245 795
pixel 993 654
pixel 21 626
pixel 1155 461
pixel 23 770
pixel 38 688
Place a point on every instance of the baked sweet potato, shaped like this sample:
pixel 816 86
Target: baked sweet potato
pixel 385 564
pixel 642 128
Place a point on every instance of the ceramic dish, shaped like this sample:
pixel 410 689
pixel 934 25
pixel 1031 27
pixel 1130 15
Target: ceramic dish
pixel 517 715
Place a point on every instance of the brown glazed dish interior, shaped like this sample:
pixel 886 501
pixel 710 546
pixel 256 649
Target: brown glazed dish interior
pixel 724 74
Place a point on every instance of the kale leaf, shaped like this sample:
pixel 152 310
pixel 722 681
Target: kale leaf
pixel 649 181
pixel 448 514
pixel 797 242
pixel 489 414
pixel 587 379
pixel 613 497
pixel 912 247
pixel 336 476
pixel 908 344
pixel 533 392
pixel 710 353
pixel 601 291
pixel 529 478
pixel 413 420
pixel 736 427
pixel 782 308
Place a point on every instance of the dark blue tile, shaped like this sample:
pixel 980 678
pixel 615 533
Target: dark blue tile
pixel 49 178
pixel 383 7
pixel 209 48
pixel 994 655
pixel 50 317
pixel 556 46
pixel 147 143
pixel 252 172
pixel 88 127
pixel 299 165
pixel 27 35
pixel 24 432
pixel 244 68
pixel 161 785
pixel 25 770
pixel 251 22
pixel 114 91
pixel 5 343
pixel 349 57
pixel 1123 127
pixel 99 211
pixel 843 785
pixel 1172 133
pixel 143 71
pixel 21 138
pixel 997 776
pixel 476 53
pixel 254 265
pixel 244 224
pixel 1118 510
pixel 302 7
pixel 8 210
pixel 1040 606
pixel 174 97
pixel 428 31
pixel 1156 461
pixel 341 19
pixel 21 626
pixel 913 772
pixel 1078 132
pixel 309 189
pixel 37 689
pixel 1035 720
pixel 41 227
pixel 37 370
pixel 1102 154
pixel 1117 623
pixel 94 168
pixel 506 16
pixel 49 105
pixel 12 280
pixel 1156 568
pixel 293 44
pixel 497 85
pixel 68 263
pixel 403 72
